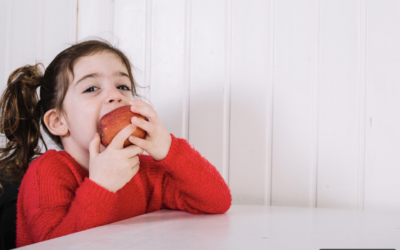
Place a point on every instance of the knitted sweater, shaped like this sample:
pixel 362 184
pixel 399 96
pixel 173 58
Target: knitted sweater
pixel 57 198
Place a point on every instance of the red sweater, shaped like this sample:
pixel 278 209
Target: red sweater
pixel 57 198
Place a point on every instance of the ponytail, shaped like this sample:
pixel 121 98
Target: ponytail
pixel 20 122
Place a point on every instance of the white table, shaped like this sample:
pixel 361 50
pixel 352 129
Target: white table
pixel 242 227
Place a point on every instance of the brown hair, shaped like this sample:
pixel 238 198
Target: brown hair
pixel 21 111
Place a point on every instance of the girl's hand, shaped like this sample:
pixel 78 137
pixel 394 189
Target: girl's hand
pixel 158 140
pixel 115 166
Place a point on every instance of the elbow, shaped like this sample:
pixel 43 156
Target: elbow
pixel 224 204
pixel 217 205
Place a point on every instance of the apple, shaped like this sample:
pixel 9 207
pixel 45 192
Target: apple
pixel 113 122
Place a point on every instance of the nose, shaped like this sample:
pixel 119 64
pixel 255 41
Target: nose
pixel 113 95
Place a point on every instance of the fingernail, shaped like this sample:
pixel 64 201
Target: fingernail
pixel 134 119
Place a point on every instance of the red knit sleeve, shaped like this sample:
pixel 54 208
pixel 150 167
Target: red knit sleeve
pixel 191 183
pixel 57 205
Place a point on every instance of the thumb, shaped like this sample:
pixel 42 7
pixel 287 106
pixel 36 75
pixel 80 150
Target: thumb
pixel 94 146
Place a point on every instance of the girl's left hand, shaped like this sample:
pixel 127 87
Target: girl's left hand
pixel 158 139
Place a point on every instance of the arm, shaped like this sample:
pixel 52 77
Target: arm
pixel 67 203
pixel 55 205
pixel 191 183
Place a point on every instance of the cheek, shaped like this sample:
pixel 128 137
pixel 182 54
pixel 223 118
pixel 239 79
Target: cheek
pixel 87 120
pixel 83 119
pixel 84 129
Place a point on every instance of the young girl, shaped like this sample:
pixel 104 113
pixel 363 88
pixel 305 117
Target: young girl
pixel 86 185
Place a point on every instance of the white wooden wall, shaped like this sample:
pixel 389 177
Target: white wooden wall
pixel 297 103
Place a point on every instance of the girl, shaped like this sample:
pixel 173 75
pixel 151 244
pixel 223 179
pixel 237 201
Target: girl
pixel 86 185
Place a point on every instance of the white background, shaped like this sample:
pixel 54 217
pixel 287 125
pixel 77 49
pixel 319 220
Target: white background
pixel 295 102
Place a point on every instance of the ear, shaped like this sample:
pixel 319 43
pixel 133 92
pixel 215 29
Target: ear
pixel 55 123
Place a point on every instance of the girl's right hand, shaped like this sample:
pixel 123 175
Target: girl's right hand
pixel 115 166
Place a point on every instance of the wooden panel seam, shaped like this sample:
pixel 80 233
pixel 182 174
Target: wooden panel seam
pixel 227 92
pixel 313 187
pixel 148 45
pixel 269 109
pixel 362 103
pixel 186 65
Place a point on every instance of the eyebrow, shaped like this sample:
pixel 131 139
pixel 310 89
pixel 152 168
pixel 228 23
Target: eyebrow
pixel 96 74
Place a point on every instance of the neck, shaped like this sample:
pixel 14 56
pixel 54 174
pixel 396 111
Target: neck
pixel 81 155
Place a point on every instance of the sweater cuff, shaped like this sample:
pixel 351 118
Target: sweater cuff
pixel 95 192
pixel 95 198
pixel 169 163
pixel 97 202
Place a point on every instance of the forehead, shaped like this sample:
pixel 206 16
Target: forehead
pixel 102 62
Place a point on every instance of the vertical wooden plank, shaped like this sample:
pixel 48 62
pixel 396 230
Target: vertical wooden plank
pixel 95 20
pixel 292 107
pixel 338 104
pixel 249 78
pixel 5 38
pixel 58 32
pixel 59 28
pixel 129 28
pixel 207 76
pixel 21 51
pixel 24 34
pixel 382 171
pixel 167 62
pixel 3 43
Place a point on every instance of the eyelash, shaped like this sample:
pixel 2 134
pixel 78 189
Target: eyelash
pixel 91 87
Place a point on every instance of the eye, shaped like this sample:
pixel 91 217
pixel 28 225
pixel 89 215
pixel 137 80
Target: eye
pixel 123 87
pixel 90 89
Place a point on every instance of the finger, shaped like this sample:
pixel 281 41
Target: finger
pixel 118 141
pixel 94 146
pixel 132 151
pixel 134 162
pixel 141 151
pixel 144 144
pixel 145 125
pixel 136 168
pixel 144 109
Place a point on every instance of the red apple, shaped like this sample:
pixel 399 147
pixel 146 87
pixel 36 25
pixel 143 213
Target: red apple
pixel 113 122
